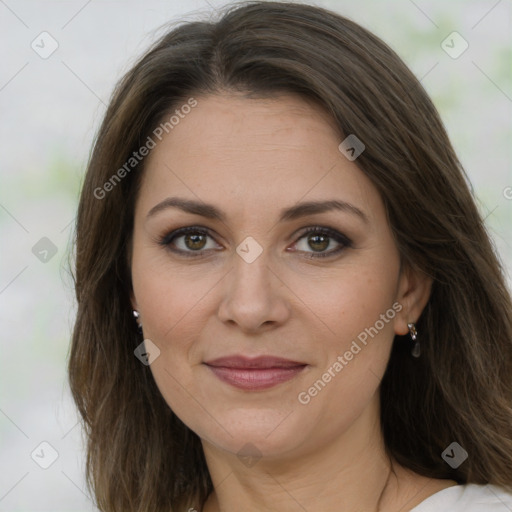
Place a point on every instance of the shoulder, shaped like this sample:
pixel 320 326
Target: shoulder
pixel 468 498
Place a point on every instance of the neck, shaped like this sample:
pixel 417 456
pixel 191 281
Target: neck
pixel 350 472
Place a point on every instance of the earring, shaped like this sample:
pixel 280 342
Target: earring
pixel 136 315
pixel 416 351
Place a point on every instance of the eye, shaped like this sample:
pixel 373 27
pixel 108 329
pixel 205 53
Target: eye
pixel 319 239
pixel 189 241
pixel 192 241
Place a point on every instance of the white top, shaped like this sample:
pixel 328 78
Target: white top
pixel 468 498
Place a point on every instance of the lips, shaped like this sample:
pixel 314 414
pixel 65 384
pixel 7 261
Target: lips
pixel 250 363
pixel 255 373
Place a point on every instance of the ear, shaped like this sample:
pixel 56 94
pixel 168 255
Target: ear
pixel 414 288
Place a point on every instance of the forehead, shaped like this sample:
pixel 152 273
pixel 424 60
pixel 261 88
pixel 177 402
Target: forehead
pixel 256 153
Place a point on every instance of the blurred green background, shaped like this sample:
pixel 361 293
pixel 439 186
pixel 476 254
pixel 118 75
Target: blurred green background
pixel 50 109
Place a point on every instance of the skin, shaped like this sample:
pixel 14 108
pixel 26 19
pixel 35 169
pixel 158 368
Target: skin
pixel 251 158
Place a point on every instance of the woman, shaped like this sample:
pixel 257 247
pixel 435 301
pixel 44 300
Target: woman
pixel 287 299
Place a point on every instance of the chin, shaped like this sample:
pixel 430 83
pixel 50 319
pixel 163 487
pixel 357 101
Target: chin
pixel 255 432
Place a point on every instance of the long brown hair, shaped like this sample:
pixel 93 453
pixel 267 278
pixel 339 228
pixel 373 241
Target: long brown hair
pixel 140 456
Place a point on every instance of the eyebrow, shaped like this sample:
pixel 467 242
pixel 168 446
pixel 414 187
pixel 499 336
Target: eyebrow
pixel 293 212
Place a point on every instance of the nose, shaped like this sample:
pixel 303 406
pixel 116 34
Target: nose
pixel 254 297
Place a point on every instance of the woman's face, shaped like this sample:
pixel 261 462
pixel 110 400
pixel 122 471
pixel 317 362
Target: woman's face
pixel 273 338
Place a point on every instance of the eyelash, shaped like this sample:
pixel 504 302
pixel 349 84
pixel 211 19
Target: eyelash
pixel 344 241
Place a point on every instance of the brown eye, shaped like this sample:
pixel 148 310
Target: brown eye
pixel 189 241
pixel 318 242
pixel 318 239
pixel 195 242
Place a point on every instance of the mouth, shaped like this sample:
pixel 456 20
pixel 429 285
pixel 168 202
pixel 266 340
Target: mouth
pixel 253 374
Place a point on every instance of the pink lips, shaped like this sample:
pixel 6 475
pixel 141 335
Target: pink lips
pixel 254 373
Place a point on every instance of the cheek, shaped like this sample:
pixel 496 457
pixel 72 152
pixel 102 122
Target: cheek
pixel 355 311
pixel 170 300
pixel 171 313
pixel 355 359
pixel 348 302
pixel 172 308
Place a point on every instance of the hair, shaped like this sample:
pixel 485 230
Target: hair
pixel 140 456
